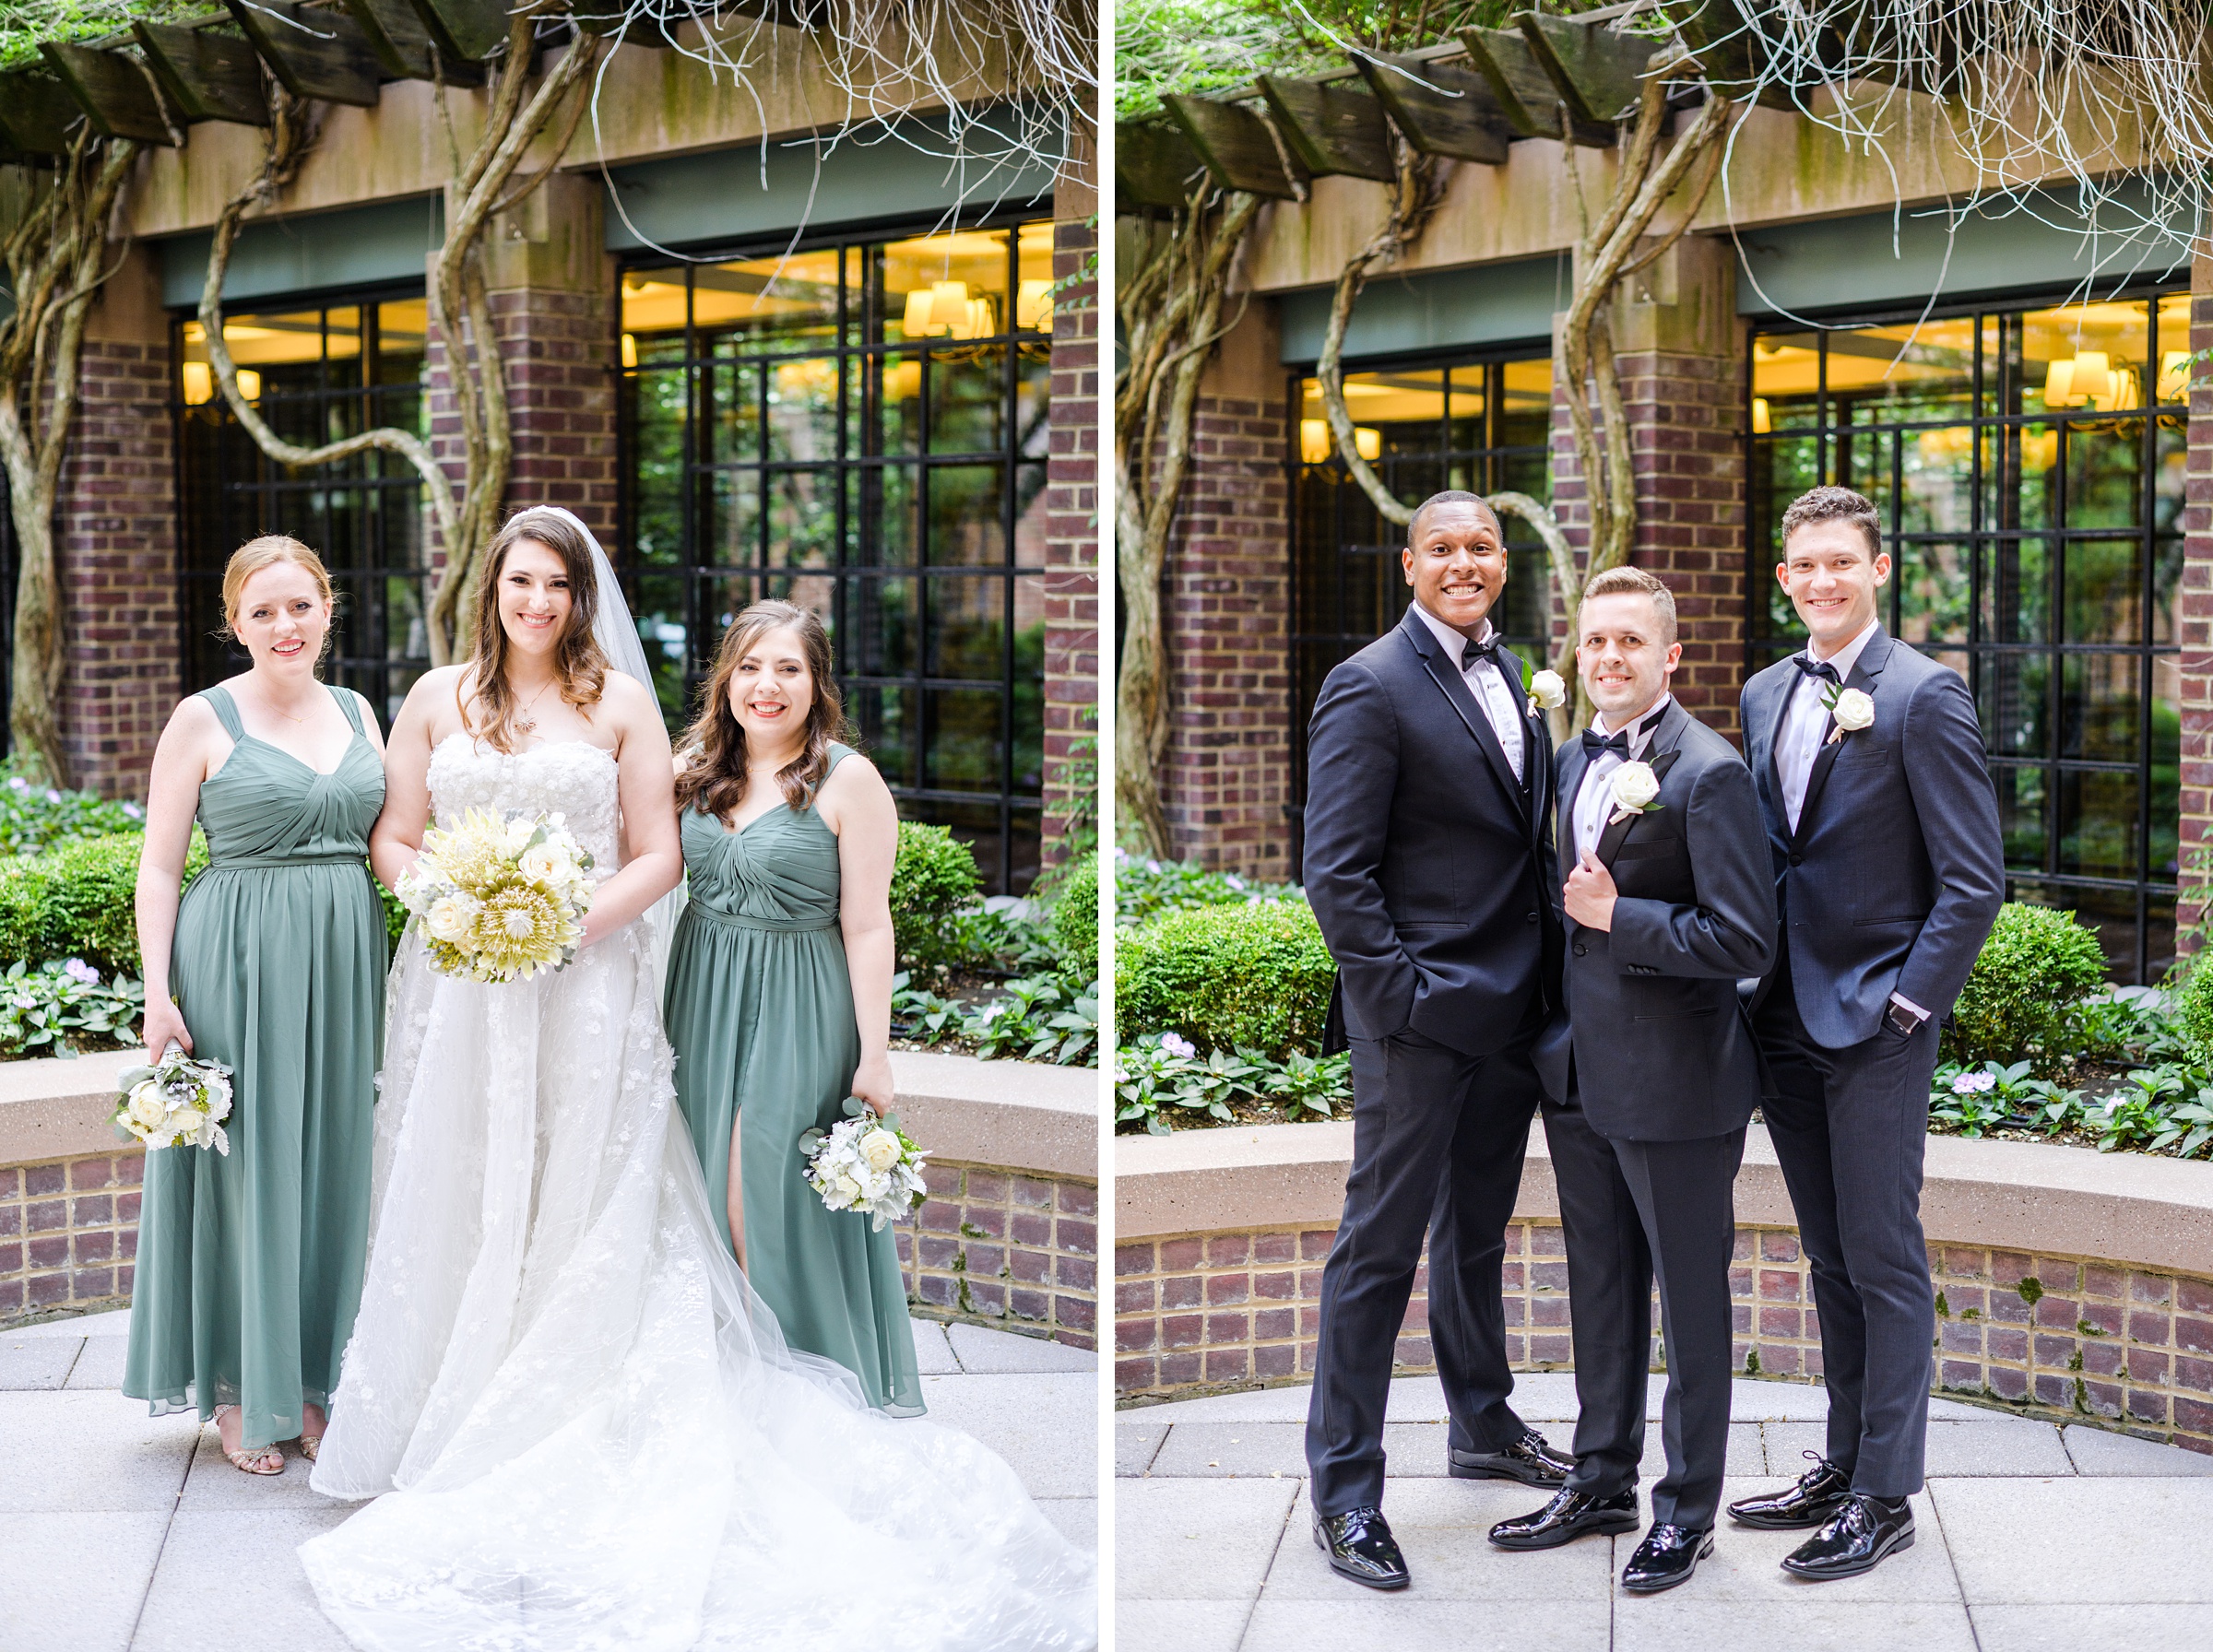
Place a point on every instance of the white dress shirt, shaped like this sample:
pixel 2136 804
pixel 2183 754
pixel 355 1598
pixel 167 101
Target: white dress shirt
pixel 1594 802
pixel 1807 721
pixel 1485 681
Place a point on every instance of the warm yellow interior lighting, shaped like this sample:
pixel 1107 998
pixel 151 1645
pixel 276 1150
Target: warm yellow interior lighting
pixel 1367 442
pixel 199 383
pixel 2174 375
pixel 2091 381
pixel 630 350
pixel 1761 425
pixel 1313 441
pixel 249 382
pixel 1033 306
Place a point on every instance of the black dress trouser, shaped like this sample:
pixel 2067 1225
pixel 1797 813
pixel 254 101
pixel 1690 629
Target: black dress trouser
pixel 1439 1140
pixel 1849 1129
pixel 1631 1211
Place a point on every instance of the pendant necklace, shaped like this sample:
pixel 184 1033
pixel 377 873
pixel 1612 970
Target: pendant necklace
pixel 523 719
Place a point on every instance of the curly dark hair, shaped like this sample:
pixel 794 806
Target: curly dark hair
pixel 1834 504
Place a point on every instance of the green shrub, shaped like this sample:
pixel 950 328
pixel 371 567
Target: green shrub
pixel 1145 888
pixel 2036 963
pixel 933 877
pixel 1250 976
pixel 1075 920
pixel 35 816
pixel 78 901
pixel 2194 1016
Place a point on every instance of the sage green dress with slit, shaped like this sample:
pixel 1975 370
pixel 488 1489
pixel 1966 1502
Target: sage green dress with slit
pixel 249 1266
pixel 759 1010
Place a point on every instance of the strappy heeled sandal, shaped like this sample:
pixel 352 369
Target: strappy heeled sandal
pixel 309 1445
pixel 246 1456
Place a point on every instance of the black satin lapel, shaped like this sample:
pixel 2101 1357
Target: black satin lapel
pixel 1574 765
pixel 1610 840
pixel 1782 716
pixel 1825 759
pixel 1462 699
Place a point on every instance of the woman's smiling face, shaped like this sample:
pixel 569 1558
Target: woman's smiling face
pixel 282 618
pixel 534 598
pixel 771 690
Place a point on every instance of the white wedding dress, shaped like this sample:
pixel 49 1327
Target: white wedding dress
pixel 580 1428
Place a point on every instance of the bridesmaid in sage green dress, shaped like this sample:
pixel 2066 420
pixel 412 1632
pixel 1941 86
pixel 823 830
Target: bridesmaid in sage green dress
pixel 780 996
pixel 249 1266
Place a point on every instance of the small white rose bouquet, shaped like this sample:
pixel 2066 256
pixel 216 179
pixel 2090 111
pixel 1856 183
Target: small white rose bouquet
pixel 176 1102
pixel 1636 789
pixel 1851 708
pixel 1547 691
pixel 864 1163
pixel 499 899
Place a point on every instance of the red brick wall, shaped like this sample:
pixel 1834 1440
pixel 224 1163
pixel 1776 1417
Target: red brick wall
pixel 68 1233
pixel 1073 507
pixel 2196 603
pixel 115 541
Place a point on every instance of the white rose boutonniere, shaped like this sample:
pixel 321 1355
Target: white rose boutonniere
pixel 1635 789
pixel 1852 710
pixel 1545 690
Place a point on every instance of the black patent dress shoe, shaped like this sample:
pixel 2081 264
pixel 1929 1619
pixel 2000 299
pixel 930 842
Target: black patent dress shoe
pixel 1360 1547
pixel 1819 1492
pixel 1569 1516
pixel 1854 1541
pixel 1531 1460
pixel 1668 1555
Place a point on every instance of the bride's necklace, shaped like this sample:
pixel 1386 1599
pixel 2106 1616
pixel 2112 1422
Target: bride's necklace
pixel 523 719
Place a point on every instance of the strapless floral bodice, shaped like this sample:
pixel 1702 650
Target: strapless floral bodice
pixel 571 778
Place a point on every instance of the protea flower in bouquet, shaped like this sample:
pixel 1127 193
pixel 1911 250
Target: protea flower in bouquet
pixel 864 1163
pixel 499 898
pixel 177 1102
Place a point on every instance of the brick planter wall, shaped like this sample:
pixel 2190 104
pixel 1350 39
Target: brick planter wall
pixel 1002 1248
pixel 2068 1338
pixel 68 1233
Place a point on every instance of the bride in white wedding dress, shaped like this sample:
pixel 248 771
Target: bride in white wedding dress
pixel 580 1428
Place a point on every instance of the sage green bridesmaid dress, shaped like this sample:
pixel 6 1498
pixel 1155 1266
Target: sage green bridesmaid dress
pixel 249 1266
pixel 759 1010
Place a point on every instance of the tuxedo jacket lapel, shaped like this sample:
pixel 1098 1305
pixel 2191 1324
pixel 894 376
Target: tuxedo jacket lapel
pixel 1454 687
pixel 1865 670
pixel 1574 765
pixel 1617 825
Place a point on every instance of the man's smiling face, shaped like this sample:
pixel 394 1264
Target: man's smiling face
pixel 1455 559
pixel 1832 574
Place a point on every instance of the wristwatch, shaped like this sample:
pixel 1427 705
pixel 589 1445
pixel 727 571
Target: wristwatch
pixel 1905 1023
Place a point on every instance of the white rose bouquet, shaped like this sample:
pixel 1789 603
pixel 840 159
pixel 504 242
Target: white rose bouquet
pixel 865 1163
pixel 176 1102
pixel 499 899
pixel 1635 789
pixel 1851 708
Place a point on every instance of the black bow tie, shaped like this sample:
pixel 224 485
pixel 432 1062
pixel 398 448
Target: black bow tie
pixel 1597 746
pixel 1472 651
pixel 1814 667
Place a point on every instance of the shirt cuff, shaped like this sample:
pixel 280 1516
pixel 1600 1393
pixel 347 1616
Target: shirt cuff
pixel 1910 1006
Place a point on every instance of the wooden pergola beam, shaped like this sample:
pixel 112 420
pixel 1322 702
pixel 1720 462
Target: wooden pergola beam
pixel 465 30
pixel 1718 38
pixel 318 53
pixel 37 112
pixel 1599 73
pixel 1155 165
pixel 1444 109
pixel 1532 104
pixel 1335 130
pixel 113 91
pixel 208 76
pixel 1237 146
pixel 402 46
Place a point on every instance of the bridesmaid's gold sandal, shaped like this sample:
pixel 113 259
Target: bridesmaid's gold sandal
pixel 309 1445
pixel 245 1459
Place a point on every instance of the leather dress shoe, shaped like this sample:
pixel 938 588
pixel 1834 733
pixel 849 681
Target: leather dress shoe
pixel 1860 1534
pixel 1668 1555
pixel 1570 1515
pixel 1360 1547
pixel 1819 1492
pixel 1531 1460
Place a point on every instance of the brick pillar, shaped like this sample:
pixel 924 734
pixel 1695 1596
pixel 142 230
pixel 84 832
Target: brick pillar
pixel 115 540
pixel 1073 505
pixel 553 288
pixel 1680 349
pixel 2196 623
pixel 1226 610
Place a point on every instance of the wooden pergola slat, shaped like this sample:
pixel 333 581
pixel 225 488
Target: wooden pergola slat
pixel 465 30
pixel 1599 73
pixel 1154 165
pixel 1336 130
pixel 402 46
pixel 208 76
pixel 1420 98
pixel 1236 146
pixel 112 90
pixel 315 54
pixel 1715 35
pixel 37 112
pixel 1531 102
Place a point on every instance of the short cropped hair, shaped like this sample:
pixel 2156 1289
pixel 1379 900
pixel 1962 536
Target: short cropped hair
pixel 1450 496
pixel 1834 504
pixel 1635 581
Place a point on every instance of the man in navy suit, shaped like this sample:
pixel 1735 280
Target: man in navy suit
pixel 1428 842
pixel 1889 870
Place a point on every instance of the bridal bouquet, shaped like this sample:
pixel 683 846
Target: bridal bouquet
pixel 865 1163
pixel 176 1102
pixel 499 899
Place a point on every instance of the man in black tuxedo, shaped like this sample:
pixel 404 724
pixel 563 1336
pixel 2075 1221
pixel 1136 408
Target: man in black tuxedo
pixel 1889 873
pixel 1428 829
pixel 1670 902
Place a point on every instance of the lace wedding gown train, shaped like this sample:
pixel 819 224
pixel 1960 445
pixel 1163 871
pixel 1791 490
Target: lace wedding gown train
pixel 580 1428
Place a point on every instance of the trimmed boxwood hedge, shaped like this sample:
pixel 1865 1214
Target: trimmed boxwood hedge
pixel 934 876
pixel 77 900
pixel 2036 963
pixel 1075 918
pixel 1256 976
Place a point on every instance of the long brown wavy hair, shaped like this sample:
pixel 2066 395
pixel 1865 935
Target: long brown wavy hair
pixel 714 776
pixel 578 664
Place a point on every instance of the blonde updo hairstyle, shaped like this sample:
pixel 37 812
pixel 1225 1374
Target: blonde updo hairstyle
pixel 267 551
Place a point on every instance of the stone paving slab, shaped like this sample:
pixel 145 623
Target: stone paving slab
pixel 202 1597
pixel 32 1363
pixel 90 1453
pixel 1179 1625
pixel 982 1351
pixel 101 1363
pixel 2072 1628
pixel 1990 1446
pixel 1403 1623
pixel 933 1355
pixel 1681 1622
pixel 2101 1451
pixel 1044 1424
pixel 2083 1541
pixel 1183 1540
pixel 56 1597
pixel 1412 1450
